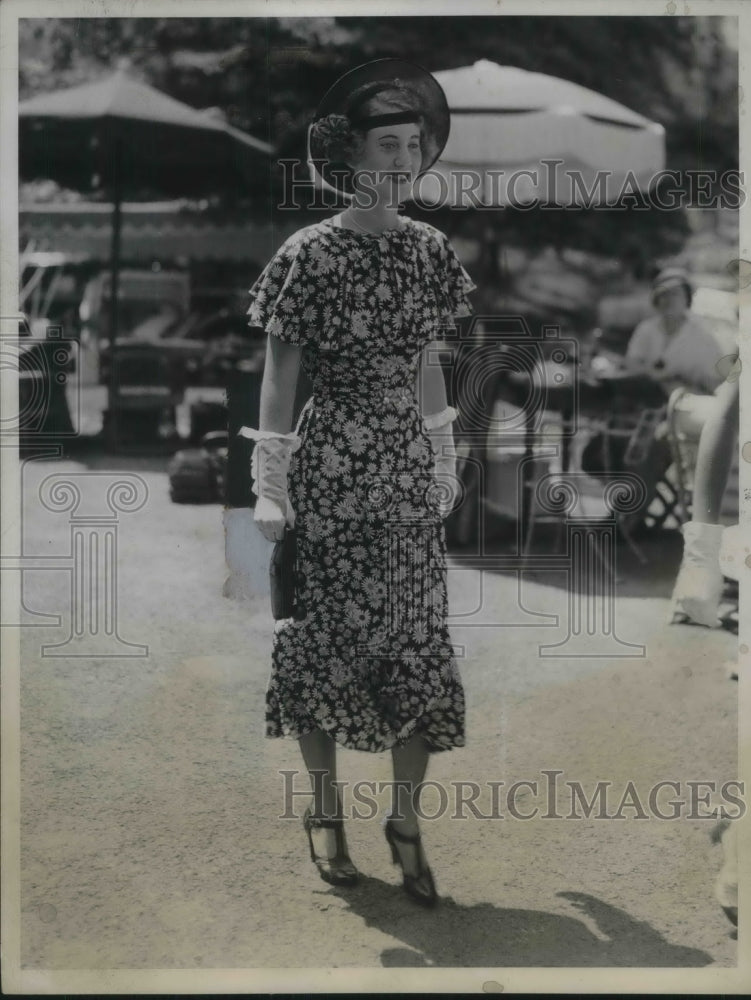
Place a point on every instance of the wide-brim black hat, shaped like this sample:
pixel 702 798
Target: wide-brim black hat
pixel 338 99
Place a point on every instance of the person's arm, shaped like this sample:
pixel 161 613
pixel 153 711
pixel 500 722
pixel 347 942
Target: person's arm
pixel 715 454
pixel 437 420
pixel 638 357
pixel 274 438
pixel 285 304
pixel 280 375
pixel 431 386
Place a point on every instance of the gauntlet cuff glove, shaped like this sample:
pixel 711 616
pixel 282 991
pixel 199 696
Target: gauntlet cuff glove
pixel 269 466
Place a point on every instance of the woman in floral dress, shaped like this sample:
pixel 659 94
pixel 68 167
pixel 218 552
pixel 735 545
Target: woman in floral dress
pixel 356 300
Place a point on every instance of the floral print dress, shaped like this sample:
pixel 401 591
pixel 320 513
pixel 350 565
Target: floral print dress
pixel 367 657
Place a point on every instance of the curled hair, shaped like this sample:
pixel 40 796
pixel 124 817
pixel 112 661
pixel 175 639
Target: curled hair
pixel 344 141
pixel 336 136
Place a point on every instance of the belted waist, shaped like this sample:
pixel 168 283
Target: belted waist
pixel 401 397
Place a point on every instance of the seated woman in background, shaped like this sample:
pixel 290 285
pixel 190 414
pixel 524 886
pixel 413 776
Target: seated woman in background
pixel 675 349
pixel 675 346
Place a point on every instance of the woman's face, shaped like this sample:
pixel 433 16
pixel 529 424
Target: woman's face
pixel 390 160
pixel 672 302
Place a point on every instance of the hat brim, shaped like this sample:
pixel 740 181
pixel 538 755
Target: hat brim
pixel 433 108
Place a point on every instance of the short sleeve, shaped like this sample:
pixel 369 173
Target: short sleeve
pixel 283 297
pixel 455 279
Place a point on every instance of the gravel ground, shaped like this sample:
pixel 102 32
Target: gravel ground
pixel 150 829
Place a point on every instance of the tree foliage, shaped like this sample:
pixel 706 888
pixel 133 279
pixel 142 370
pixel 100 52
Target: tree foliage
pixel 267 74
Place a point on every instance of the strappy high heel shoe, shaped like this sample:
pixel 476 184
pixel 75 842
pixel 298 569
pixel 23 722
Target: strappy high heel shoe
pixel 338 870
pixel 421 886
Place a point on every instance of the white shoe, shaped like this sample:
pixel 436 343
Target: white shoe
pixel 698 587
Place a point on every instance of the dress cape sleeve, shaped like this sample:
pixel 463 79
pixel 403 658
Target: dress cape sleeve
pixel 453 283
pixel 286 299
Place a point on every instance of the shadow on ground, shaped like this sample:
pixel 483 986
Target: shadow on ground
pixel 487 936
pixel 661 552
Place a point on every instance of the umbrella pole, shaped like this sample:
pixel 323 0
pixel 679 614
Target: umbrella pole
pixel 112 436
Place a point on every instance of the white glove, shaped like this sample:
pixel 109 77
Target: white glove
pixel 698 587
pixel 269 466
pixel 438 429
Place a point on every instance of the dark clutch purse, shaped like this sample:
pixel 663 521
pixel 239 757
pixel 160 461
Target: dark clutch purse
pixel 283 573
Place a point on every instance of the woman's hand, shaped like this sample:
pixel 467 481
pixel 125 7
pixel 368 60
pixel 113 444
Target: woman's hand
pixel 272 453
pixel 270 519
pixel 269 468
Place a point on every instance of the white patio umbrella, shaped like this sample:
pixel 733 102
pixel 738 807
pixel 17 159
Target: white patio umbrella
pixel 508 119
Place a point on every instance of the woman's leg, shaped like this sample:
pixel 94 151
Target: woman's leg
pixel 319 753
pixel 410 764
pixel 698 587
pixel 715 455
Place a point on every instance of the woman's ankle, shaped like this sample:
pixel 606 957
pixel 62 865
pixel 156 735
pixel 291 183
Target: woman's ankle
pixel 326 807
pixel 404 822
